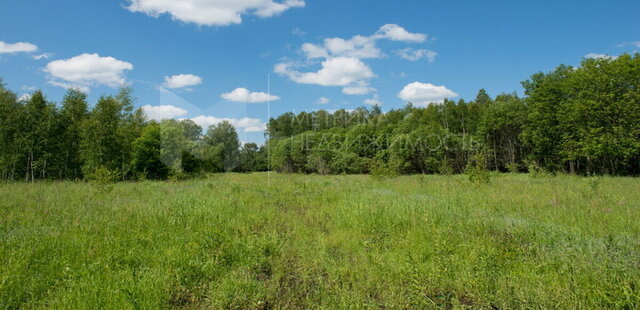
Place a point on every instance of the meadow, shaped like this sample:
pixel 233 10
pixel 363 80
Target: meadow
pixel 258 241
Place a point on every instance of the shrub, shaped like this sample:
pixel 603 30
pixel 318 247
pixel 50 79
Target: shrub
pixel 380 170
pixel 477 169
pixel 103 179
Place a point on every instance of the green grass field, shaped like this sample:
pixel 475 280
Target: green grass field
pixel 314 242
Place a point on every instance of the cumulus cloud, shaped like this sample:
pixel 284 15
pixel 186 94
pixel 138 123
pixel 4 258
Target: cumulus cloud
pixel 162 112
pixel 212 12
pixel 600 56
pixel 360 46
pixel 342 63
pixel 357 47
pixel 416 54
pixel 339 71
pixel 87 70
pixel 425 93
pixel 244 95
pixel 181 80
pixel 19 47
pixel 244 124
pixel 396 33
pixel 323 100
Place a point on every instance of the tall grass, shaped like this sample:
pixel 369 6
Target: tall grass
pixel 322 242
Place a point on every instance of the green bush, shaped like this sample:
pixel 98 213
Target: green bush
pixel 477 169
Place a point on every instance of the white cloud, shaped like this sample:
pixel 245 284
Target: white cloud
pixel 212 12
pixel 425 93
pixel 161 112
pixel 342 59
pixel 245 124
pixel 87 70
pixel 24 97
pixel 181 80
pixel 600 56
pixel 323 100
pixel 357 47
pixel 375 100
pixel 19 47
pixel 396 33
pixel 416 54
pixel 359 88
pixel 360 46
pixel 244 95
pixel 339 71
pixel 42 56
pixel 29 88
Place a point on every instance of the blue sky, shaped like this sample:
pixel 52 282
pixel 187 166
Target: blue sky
pixel 210 59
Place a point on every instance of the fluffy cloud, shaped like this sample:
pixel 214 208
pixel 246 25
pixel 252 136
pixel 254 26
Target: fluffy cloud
pixel 244 95
pixel 20 47
pixel 181 80
pixel 161 112
pixel 342 63
pixel 212 12
pixel 417 54
pixel 323 100
pixel 425 93
pixel 339 71
pixel 87 70
pixel 357 47
pixel 598 56
pixel 245 124
pixel 360 46
pixel 396 33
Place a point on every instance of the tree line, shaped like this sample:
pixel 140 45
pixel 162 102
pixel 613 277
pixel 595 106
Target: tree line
pixel 41 140
pixel 583 120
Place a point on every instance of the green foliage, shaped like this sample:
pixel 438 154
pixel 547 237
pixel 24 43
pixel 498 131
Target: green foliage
pixel 224 139
pixel 103 179
pixel 102 144
pixel 477 169
pixel 584 119
pixel 379 170
pixel 147 154
pixel 73 115
pixel 580 120
pixel 445 167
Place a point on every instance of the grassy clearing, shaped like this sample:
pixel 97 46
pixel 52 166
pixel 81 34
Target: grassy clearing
pixel 350 242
